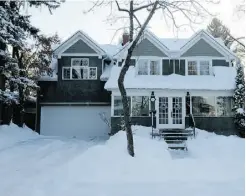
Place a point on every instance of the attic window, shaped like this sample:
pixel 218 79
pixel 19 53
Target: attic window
pixel 149 67
pixel 79 62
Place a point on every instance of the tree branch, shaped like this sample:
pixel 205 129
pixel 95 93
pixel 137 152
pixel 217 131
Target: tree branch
pixel 120 9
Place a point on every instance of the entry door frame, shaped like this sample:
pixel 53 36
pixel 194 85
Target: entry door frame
pixel 170 125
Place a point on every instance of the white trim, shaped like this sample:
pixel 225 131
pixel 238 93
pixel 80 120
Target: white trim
pixel 198 61
pixel 80 59
pixel 71 67
pixel 79 35
pixel 149 60
pixel 149 57
pixel 211 41
pixel 79 55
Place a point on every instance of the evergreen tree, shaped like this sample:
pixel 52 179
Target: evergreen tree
pixel 15 29
pixel 218 30
pixel 239 101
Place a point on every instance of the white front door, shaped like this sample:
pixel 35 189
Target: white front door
pixel 171 112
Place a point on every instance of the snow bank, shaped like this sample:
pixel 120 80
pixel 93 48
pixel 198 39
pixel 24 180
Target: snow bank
pixel 11 134
pixel 45 166
pixel 223 79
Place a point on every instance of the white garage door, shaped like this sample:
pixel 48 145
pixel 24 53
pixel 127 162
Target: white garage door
pixel 82 122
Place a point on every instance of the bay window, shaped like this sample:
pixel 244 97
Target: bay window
pixel 148 67
pixel 198 67
pixel 79 70
pixel 140 106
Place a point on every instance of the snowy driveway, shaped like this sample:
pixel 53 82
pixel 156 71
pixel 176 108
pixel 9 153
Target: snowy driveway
pixel 32 165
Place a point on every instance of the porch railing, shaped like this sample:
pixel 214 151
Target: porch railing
pixel 193 124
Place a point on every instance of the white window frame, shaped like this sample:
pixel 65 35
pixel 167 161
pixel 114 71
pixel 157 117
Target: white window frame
pixel 215 107
pixel 198 60
pixel 72 59
pixel 85 67
pixel 149 59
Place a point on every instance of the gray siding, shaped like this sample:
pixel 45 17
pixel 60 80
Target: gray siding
pixel 202 48
pixel 219 125
pixel 80 47
pixel 220 63
pixel 146 48
pixel 116 121
pixel 132 62
pixel 75 90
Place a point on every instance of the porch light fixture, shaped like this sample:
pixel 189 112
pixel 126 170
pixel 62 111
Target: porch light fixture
pixel 188 94
pixel 152 97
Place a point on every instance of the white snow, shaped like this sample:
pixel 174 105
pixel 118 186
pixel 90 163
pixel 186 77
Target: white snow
pixel 111 49
pixel 240 110
pixel 106 73
pixel 223 79
pixel 173 44
pixel 33 165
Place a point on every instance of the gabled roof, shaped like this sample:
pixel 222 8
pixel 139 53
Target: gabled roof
pixel 79 35
pixel 215 43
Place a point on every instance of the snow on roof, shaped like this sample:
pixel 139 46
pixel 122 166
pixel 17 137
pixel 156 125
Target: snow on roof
pixel 224 79
pixel 111 49
pixel 173 43
pixel 48 78
pixel 106 73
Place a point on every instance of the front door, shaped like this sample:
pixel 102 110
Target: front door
pixel 171 112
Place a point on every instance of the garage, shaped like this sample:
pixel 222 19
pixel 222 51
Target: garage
pixel 82 122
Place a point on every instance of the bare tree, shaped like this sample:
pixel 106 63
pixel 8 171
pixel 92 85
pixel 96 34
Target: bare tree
pixel 192 11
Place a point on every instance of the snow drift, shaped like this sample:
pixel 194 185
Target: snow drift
pixel 34 165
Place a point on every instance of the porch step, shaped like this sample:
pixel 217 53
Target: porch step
pixel 176 138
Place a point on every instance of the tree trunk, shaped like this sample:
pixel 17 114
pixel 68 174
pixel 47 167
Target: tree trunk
pixel 126 109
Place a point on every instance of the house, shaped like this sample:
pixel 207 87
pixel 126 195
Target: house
pixel 182 76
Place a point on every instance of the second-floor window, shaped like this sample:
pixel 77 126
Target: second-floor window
pixel 79 70
pixel 198 67
pixel 148 67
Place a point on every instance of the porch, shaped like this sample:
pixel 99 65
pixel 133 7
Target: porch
pixel 170 109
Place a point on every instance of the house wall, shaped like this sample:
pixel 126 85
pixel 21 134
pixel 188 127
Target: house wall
pixel 202 48
pixel 79 47
pixel 219 125
pixel 146 48
pixel 75 90
pixel 144 121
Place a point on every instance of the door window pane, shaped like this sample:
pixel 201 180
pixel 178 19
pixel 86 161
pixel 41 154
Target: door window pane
pixel 140 106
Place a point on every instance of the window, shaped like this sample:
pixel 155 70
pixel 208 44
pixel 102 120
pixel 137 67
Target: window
pixel 203 106
pixel 140 106
pixel 192 68
pixel 155 68
pixel 118 106
pixel 79 70
pixel 143 67
pixel 224 106
pixel 149 67
pixel 201 67
pixel 66 72
pixel 79 62
pixel 204 67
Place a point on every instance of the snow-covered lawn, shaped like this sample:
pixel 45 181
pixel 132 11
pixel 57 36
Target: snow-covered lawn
pixel 33 165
